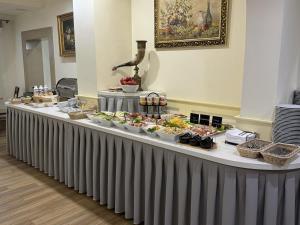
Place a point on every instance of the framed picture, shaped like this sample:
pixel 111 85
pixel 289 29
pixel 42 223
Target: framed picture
pixel 184 23
pixel 66 35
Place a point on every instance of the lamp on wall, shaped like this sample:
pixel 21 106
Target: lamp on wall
pixel 2 21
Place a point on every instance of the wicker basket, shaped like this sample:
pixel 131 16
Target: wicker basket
pixel 46 99
pixel 16 101
pixel 254 152
pixel 26 100
pixel 77 115
pixel 42 99
pixel 280 160
pixel 36 99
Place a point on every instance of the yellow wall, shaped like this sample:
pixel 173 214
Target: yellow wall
pixel 195 80
pixel 204 75
pixel 103 40
pixel 113 40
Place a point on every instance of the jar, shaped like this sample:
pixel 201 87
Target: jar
pixel 143 100
pixel 163 101
pixel 35 90
pixel 156 100
pixel 156 116
pixel 149 101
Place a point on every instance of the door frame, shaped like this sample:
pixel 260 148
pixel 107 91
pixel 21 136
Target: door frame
pixel 40 34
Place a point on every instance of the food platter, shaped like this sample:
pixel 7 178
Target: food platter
pixel 170 134
pixel 169 129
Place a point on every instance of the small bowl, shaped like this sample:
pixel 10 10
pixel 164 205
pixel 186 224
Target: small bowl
pixel 185 138
pixel 130 88
pixel 194 142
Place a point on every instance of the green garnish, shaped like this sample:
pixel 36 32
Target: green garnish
pixel 151 130
pixel 170 124
pixel 100 114
pixel 137 120
pixel 222 128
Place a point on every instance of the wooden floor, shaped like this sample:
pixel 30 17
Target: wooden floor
pixel 29 197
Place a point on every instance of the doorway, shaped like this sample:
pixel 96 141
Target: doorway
pixel 38 57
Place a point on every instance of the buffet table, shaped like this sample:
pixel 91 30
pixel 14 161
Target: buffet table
pixel 153 181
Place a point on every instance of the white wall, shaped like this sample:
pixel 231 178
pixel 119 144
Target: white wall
pixel 113 40
pixel 8 78
pixel 103 39
pixel 262 57
pixel 84 22
pixel 272 56
pixel 289 66
pixel 206 75
pixel 45 17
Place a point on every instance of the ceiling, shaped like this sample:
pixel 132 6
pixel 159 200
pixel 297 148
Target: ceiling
pixel 17 7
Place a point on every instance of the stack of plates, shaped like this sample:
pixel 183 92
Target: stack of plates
pixel 297 98
pixel 287 124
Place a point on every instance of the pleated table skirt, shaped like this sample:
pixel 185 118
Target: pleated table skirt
pixel 150 184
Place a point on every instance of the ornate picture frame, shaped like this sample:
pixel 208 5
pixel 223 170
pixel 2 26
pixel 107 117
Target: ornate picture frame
pixel 187 23
pixel 66 34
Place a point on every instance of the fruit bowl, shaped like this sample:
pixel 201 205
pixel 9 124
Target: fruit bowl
pixel 129 85
pixel 130 88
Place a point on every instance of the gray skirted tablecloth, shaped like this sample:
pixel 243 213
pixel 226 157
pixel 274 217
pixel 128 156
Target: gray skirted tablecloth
pixel 119 101
pixel 150 184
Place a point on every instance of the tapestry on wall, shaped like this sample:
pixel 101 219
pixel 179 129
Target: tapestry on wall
pixel 66 35
pixel 183 23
